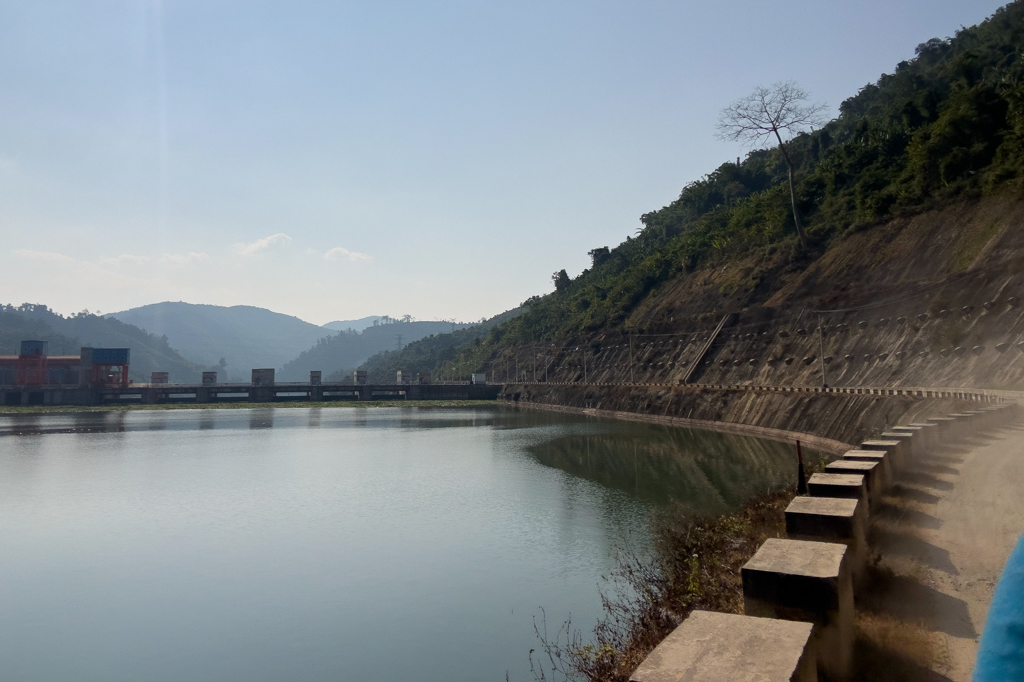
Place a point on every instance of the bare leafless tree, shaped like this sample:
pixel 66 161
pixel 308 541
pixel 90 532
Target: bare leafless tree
pixel 779 111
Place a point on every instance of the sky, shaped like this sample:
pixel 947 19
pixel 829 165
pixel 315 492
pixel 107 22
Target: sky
pixel 333 160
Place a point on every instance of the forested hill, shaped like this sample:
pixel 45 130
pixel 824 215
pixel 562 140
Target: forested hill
pixel 339 354
pixel 429 353
pixel 245 337
pixel 944 128
pixel 66 336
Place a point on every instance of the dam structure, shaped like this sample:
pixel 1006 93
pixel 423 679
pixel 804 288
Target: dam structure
pixel 155 394
pixel 99 377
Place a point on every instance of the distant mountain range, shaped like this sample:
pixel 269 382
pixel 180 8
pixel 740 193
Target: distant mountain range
pixel 355 325
pixel 342 352
pixel 434 354
pixel 66 336
pixel 185 339
pixel 245 336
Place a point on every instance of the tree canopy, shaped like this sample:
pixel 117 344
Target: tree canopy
pixel 768 114
pixel 944 126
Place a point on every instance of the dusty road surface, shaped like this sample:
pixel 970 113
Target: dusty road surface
pixel 942 538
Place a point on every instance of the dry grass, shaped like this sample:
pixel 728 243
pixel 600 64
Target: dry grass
pixel 696 565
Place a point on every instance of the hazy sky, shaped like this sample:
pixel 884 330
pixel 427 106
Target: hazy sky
pixel 340 159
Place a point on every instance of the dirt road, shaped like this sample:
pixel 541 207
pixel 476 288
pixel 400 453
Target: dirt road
pixel 943 537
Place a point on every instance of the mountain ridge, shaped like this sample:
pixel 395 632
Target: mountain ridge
pixel 66 336
pixel 942 132
pixel 247 337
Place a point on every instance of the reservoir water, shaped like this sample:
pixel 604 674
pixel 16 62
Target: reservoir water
pixel 329 543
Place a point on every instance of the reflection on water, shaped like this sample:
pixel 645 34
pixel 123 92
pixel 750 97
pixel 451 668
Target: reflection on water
pixel 304 543
pixel 277 418
pixel 314 418
pixel 261 418
pixel 708 472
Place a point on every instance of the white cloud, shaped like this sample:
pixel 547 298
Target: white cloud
pixel 78 273
pixel 184 258
pixel 338 253
pixel 47 256
pixel 274 241
pixel 124 259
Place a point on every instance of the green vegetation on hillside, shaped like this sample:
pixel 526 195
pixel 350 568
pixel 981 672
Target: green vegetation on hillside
pixel 947 125
pixel 66 336
pixel 337 355
pixel 435 353
pixel 245 337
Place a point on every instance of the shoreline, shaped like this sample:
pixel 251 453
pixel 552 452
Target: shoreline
pixel 11 411
pixel 812 441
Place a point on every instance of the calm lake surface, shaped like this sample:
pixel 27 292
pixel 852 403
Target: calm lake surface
pixel 371 544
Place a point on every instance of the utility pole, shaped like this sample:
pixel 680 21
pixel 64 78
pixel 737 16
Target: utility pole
pixel 631 359
pixel 821 341
pixel 535 366
pixel 584 365
pixel 399 337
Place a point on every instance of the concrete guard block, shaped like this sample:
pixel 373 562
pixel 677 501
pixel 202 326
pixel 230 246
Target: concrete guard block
pixel 831 519
pixel 966 424
pixel 850 486
pixel 975 415
pixel 932 433
pixel 879 456
pixel 810 582
pixel 1006 412
pixel 922 435
pixel 896 450
pixel 871 471
pixel 906 441
pixel 721 647
pixel 990 415
pixel 946 425
pixel 1002 413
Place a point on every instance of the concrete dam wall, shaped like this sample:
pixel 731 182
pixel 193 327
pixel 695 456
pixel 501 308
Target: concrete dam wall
pixel 841 418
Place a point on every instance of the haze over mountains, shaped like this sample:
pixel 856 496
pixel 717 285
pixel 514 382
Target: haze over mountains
pixel 355 325
pixel 247 337
pixel 66 336
pixel 340 353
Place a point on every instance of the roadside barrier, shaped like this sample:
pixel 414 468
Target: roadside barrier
pixel 810 576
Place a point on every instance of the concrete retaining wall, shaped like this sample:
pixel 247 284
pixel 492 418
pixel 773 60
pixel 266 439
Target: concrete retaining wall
pixel 836 417
pixel 810 577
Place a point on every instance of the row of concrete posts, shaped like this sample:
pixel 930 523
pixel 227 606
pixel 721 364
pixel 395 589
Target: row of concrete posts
pixel 798 592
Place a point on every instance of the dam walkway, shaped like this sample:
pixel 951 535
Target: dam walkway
pixel 943 535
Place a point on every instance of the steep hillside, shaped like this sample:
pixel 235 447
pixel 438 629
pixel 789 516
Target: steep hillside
pixel 67 335
pixel 933 300
pixel 429 354
pixel 246 337
pixel 913 190
pixel 343 352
